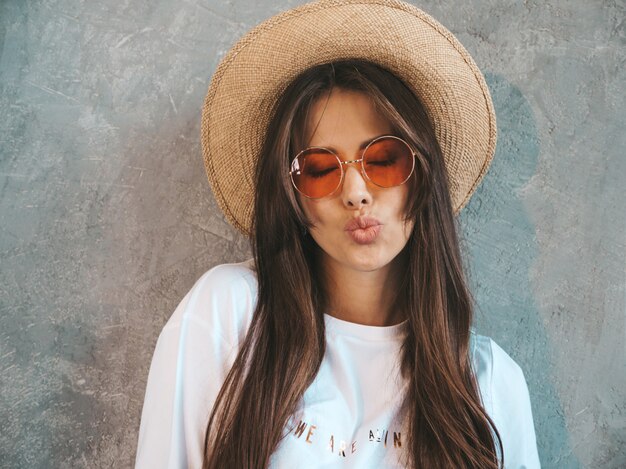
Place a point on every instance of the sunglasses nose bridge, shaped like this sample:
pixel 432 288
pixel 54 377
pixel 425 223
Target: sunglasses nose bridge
pixel 351 161
pixel 357 165
pixel 344 167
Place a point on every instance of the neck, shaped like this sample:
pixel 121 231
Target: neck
pixel 363 297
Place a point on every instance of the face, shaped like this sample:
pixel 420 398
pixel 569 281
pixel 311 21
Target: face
pixel 361 226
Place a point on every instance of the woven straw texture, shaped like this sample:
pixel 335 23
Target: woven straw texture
pixel 393 34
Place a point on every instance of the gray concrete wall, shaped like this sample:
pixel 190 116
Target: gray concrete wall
pixel 106 218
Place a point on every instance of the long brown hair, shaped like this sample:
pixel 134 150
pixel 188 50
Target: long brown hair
pixel 283 349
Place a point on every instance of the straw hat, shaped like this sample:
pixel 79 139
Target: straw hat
pixel 390 33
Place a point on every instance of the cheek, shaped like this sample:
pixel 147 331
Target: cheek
pixel 307 208
pixel 408 229
pixel 397 201
pixel 399 204
pixel 317 212
pixel 303 202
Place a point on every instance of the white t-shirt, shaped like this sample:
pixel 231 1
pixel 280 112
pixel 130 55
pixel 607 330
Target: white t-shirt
pixel 349 416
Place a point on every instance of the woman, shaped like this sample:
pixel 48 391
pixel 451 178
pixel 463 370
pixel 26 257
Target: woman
pixel 346 342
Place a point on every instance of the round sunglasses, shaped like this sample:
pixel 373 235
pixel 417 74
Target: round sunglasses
pixel 387 161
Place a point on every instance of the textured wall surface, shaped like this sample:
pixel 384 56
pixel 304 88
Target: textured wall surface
pixel 106 218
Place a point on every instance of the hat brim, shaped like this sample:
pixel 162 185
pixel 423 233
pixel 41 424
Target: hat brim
pixel 393 34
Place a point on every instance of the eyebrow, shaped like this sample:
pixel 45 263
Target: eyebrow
pixel 361 146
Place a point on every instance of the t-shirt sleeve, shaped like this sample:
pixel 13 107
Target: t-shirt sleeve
pixel 512 411
pixel 191 359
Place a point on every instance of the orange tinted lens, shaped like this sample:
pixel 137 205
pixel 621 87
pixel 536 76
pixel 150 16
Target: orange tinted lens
pixel 388 162
pixel 316 172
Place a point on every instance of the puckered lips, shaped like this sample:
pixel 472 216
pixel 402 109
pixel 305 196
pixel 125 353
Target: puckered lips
pixel 363 229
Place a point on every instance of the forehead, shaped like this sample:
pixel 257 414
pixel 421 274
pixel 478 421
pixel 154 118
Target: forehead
pixel 344 119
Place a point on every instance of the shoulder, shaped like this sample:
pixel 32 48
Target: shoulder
pixel 221 300
pixel 193 354
pixel 506 399
pixel 494 369
pixel 490 360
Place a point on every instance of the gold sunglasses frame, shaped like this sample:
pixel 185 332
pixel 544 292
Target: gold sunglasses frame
pixel 360 160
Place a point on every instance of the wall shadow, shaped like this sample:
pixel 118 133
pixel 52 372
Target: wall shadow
pixel 498 240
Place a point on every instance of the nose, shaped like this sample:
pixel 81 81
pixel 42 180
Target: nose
pixel 355 193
